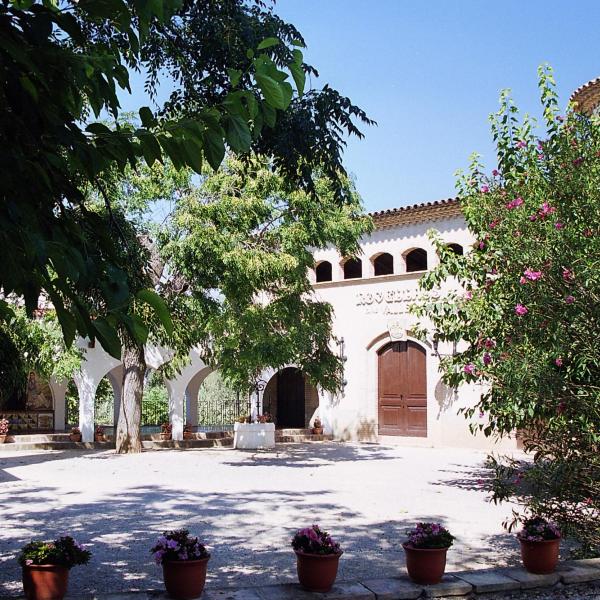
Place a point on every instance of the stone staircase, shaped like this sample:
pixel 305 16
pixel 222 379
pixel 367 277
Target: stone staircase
pixel 286 436
pixel 210 439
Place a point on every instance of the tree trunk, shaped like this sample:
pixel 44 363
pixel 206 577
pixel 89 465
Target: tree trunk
pixel 128 436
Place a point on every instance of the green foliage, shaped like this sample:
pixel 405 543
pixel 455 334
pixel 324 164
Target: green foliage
pixel 243 243
pixel 64 551
pixel 526 303
pixel 63 67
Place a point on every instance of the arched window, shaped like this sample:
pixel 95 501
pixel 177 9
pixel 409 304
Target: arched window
pixel 352 268
pixel 416 260
pixel 384 264
pixel 456 248
pixel 323 271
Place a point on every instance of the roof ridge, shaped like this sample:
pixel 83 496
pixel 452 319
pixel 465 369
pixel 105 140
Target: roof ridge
pixel 432 203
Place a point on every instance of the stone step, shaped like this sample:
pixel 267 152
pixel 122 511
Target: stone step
pixel 294 431
pixel 287 439
pixel 38 437
pixel 200 435
pixel 55 445
pixel 182 444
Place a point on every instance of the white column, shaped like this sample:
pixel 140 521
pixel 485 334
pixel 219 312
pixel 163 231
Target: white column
pixel 191 407
pixel 86 387
pixel 176 391
pixel 59 391
pixel 116 381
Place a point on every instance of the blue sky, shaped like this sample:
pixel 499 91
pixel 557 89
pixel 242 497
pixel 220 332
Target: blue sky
pixel 429 72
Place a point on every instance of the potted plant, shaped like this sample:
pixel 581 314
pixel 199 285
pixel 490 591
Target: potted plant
pixel 540 541
pixel 425 550
pixel 188 433
pixel 4 427
pixel 317 556
pixel 317 428
pixel 75 435
pixel 99 434
pixel 166 431
pixel 264 418
pixel 184 561
pixel 46 567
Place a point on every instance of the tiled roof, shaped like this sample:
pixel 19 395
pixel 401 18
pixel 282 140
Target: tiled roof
pixel 587 96
pixel 427 211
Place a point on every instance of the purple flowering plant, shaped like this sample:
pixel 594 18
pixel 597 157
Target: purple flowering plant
pixel 313 540
pixel 178 545
pixel 64 551
pixel 429 536
pixel 538 529
pixel 4 426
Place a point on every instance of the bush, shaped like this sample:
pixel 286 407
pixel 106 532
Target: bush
pixel 65 552
pixel 313 540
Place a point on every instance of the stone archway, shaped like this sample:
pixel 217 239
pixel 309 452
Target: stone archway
pixel 402 395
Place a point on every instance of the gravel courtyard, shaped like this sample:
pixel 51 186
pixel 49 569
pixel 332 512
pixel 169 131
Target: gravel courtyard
pixel 246 506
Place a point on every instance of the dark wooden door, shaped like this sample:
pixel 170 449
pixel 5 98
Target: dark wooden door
pixel 290 399
pixel 402 390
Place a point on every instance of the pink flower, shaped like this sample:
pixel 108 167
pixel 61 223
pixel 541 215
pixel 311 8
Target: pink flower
pixel 587 232
pixel 469 369
pixel 489 343
pixel 514 203
pixel 522 280
pixel 481 245
pixel 521 310
pixel 567 274
pixel 495 223
pixel 487 358
pixel 546 209
pixel 533 217
pixel 558 225
pixel 578 161
pixel 521 144
pixel 495 172
pixel 485 189
pixel 469 295
pixel 569 299
pixel 558 362
pixel 532 275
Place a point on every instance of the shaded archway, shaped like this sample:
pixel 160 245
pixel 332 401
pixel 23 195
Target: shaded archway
pixel 456 248
pixel 219 404
pixel 291 399
pixel 352 268
pixel 383 264
pixel 416 260
pixel 71 405
pixel 104 403
pixel 155 401
pixel 323 271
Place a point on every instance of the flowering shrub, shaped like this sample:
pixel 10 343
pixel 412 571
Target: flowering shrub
pixel 99 430
pixel 178 545
pixel 313 540
pixel 4 426
pixel 537 529
pixel 75 431
pixel 524 311
pixel 264 418
pixel 429 536
pixel 65 551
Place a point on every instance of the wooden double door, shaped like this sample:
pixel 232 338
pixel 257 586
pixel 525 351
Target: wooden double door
pixel 403 390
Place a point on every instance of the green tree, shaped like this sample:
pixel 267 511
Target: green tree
pixel 526 302
pixel 63 64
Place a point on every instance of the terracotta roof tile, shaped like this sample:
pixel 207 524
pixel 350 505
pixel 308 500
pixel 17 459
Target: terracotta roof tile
pixel 426 211
pixel 587 96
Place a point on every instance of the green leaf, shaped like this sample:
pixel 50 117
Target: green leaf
pixel 98 129
pixel 270 114
pixel 271 90
pixel 234 76
pixel 268 43
pixel 108 336
pixel 250 53
pixel 151 298
pixel 147 117
pixel 238 134
pixel 214 147
pixel 138 329
pixel 193 152
pixel 150 148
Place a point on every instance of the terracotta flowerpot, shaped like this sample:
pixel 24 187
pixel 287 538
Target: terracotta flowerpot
pixel 185 579
pixel 317 572
pixel 75 437
pixel 45 582
pixel 317 430
pixel 188 435
pixel 540 557
pixel 425 565
pixel 2 438
pixel 99 437
pixel 165 436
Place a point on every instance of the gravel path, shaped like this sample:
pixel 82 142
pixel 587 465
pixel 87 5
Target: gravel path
pixel 246 506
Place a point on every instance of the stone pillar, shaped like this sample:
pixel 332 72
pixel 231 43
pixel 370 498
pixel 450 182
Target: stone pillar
pixel 59 391
pixel 176 391
pixel 86 387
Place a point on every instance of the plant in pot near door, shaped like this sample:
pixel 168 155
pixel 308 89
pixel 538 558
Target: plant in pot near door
pixel 425 550
pixel 4 427
pixel 184 561
pixel 166 431
pixel 46 567
pixel 75 435
pixel 317 556
pixel 540 541
pixel 188 432
pixel 317 427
